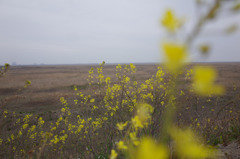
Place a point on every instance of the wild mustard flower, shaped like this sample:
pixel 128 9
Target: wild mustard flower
pixel 118 69
pixel 182 93
pixel 24 126
pixel 170 21
pixel 32 129
pixel 27 83
pixel 113 154
pixel 175 56
pixel 19 133
pixel 187 145
pixel 203 81
pixel 5 112
pixel 54 128
pixel 12 137
pixel 133 68
pixel 148 149
pixel 55 140
pixel 40 122
pixel 121 126
pixel 63 110
pixel 121 145
pixel 134 138
pixel 144 112
pixel 107 80
pixel 76 101
pixel 137 122
pixel 92 100
pixel 26 118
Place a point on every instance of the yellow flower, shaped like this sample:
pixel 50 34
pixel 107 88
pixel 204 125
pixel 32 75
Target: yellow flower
pixel 120 126
pixel 12 136
pixel 170 22
pixel 144 112
pixel 20 133
pixel 203 81
pixel 175 56
pixel 136 122
pixel 187 145
pixel 121 145
pixel 63 110
pixel 113 154
pixel 40 121
pixel 148 149
pixel 25 126
pixel 107 80
pixel 134 139
pixel 92 100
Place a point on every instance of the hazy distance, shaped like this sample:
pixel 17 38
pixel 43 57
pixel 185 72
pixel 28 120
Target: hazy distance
pixel 91 31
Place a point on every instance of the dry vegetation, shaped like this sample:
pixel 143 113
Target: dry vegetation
pixel 216 118
pixel 49 83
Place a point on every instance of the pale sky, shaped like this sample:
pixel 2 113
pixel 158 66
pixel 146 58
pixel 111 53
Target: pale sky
pixel 91 31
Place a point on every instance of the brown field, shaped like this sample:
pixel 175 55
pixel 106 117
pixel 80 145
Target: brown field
pixel 49 83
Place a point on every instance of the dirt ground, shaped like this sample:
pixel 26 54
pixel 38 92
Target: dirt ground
pixel 49 83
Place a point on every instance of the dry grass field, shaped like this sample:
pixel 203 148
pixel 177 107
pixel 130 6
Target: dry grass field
pixel 50 83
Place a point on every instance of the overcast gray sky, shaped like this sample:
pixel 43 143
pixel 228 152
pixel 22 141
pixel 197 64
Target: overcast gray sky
pixel 90 31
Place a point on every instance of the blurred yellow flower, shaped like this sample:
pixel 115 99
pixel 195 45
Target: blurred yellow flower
pixel 144 112
pixel 203 81
pixel 148 149
pixel 187 145
pixel 170 21
pixel 121 145
pixel 63 110
pixel 120 126
pixel 92 100
pixel 134 138
pixel 25 126
pixel 175 56
pixel 136 122
pixel 113 154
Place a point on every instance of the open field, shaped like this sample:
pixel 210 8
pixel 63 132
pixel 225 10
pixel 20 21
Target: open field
pixel 50 83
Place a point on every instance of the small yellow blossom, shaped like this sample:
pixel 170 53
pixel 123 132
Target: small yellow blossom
pixel 107 80
pixel 144 112
pixel 148 149
pixel 136 122
pixel 63 110
pixel 188 146
pixel 175 56
pixel 40 121
pixel 171 22
pixel 25 126
pixel 120 126
pixel 76 101
pixel 113 154
pixel 121 145
pixel 134 139
pixel 12 137
pixel 203 81
pixel 20 133
pixel 92 100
